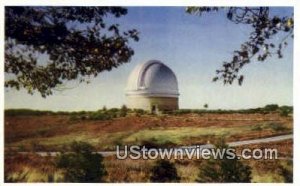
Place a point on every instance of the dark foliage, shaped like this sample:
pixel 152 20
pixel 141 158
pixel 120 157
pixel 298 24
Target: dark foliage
pixel 260 44
pixel 107 114
pixel 164 171
pixel 283 110
pixel 271 107
pixel 26 112
pixel 286 173
pixel 82 165
pixel 223 170
pixel 74 43
pixel 123 111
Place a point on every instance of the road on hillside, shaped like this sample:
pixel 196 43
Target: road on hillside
pixel 230 144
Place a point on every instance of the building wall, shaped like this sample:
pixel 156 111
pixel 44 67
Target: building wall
pixel 147 103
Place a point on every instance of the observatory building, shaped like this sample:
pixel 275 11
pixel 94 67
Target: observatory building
pixel 152 86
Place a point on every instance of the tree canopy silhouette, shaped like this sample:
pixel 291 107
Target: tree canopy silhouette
pixel 260 44
pixel 75 43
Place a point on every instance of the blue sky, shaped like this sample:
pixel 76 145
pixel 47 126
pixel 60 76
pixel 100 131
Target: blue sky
pixel 193 47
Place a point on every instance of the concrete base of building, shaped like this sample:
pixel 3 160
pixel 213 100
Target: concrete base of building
pixel 152 104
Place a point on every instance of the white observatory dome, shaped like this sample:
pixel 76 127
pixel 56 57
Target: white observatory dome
pixel 152 79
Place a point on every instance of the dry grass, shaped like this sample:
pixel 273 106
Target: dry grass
pixel 127 170
pixel 33 168
pixel 54 132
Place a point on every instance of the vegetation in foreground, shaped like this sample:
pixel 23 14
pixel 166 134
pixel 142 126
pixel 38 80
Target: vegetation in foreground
pixel 224 170
pixel 81 165
pixel 27 168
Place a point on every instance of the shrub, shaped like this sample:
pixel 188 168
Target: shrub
pixel 257 127
pixel 139 112
pixel 100 116
pixel 286 172
pixel 155 143
pixel 223 170
pixel 277 127
pixel 82 165
pixel 150 143
pixel 123 111
pixel 285 111
pixel 164 171
pixel 271 107
pixel 35 146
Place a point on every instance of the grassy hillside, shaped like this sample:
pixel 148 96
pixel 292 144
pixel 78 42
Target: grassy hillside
pixel 28 130
pixel 52 132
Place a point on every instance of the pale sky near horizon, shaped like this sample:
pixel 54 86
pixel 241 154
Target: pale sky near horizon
pixel 193 47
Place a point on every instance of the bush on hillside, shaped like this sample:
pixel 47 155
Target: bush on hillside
pixel 164 171
pixel 82 165
pixel 223 170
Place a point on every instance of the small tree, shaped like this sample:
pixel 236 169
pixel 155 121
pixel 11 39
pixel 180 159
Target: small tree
pixel 205 105
pixel 285 110
pixel 164 171
pixel 123 111
pixel 82 165
pixel 223 170
pixel 271 107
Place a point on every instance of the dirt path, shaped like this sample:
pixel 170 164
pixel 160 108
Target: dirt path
pixel 262 140
pixel 231 144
